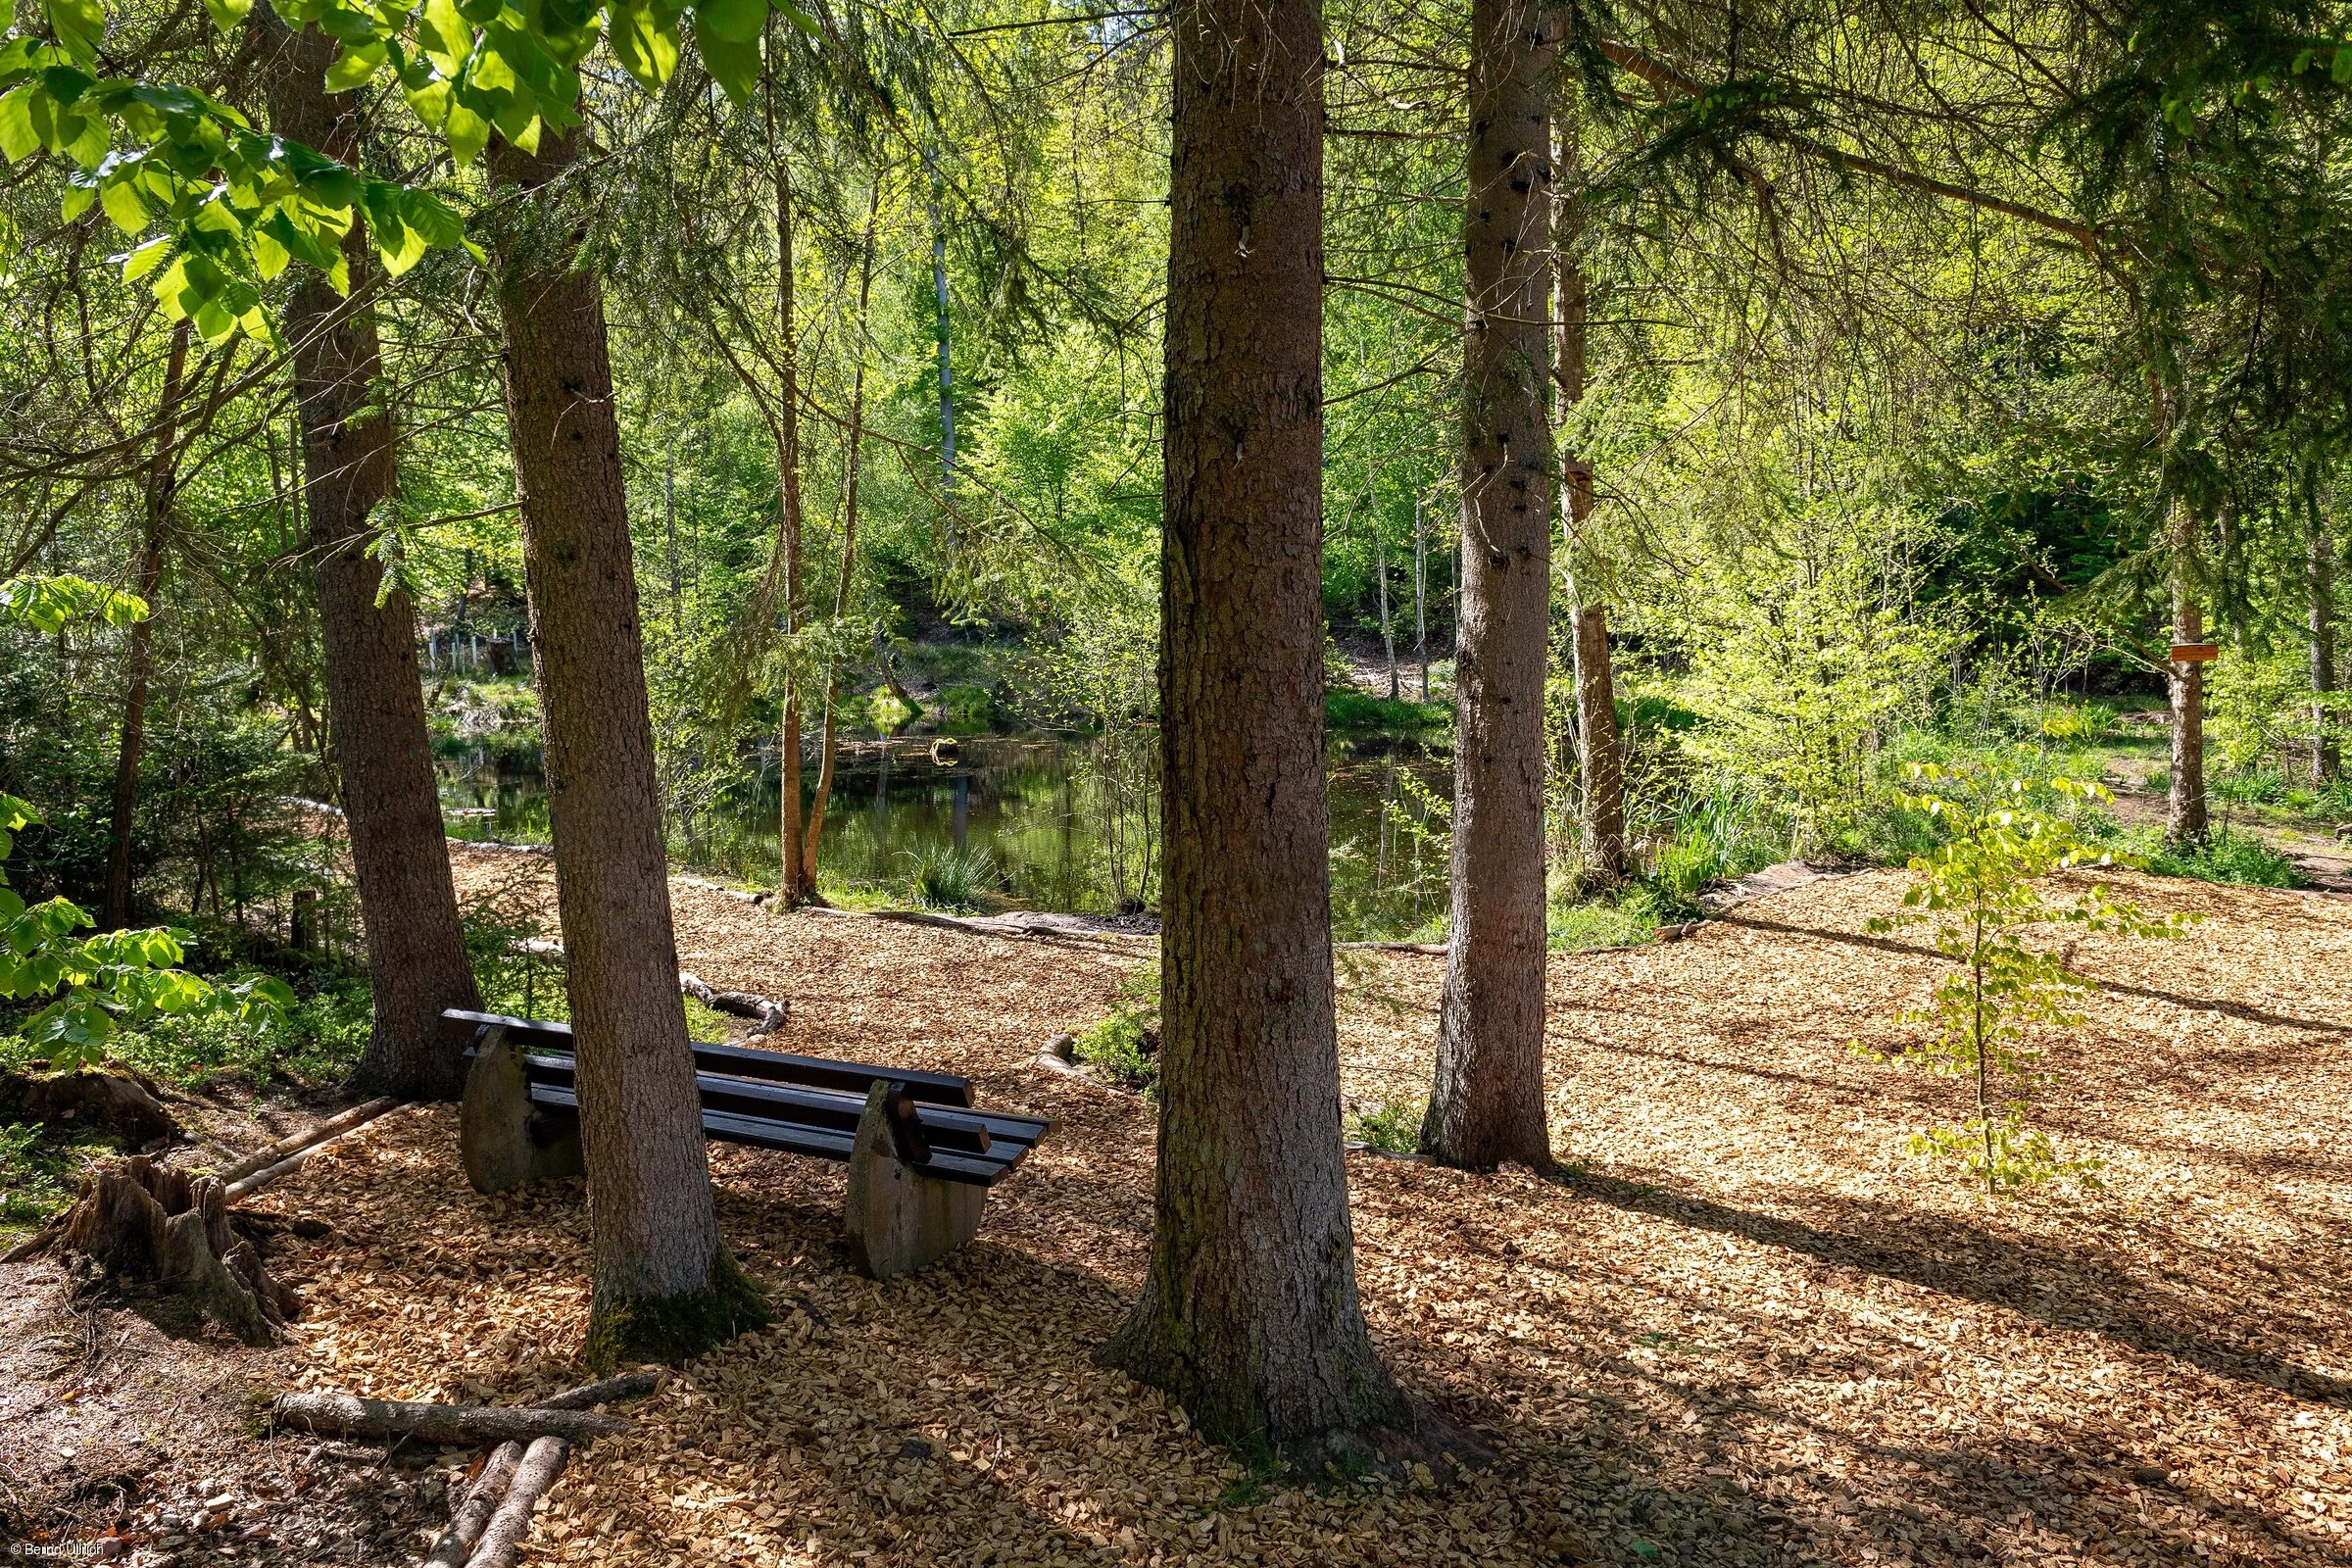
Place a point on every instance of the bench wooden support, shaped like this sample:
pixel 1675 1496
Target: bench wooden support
pixel 898 1218
pixel 506 1140
pixel 921 1157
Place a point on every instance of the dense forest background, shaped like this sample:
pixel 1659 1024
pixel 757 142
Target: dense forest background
pixel 1923 367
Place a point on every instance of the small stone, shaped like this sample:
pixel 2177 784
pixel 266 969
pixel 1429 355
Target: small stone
pixel 2152 1475
pixel 915 1449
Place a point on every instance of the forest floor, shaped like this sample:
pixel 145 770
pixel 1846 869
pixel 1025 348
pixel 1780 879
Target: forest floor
pixel 1740 1327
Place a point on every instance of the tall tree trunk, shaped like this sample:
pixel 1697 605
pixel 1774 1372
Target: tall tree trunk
pixel 416 961
pixel 1420 597
pixel 851 454
pixel 1249 1313
pixel 161 496
pixel 2319 581
pixel 1486 1102
pixel 664 1283
pixel 1601 757
pixel 2186 820
pixel 947 368
pixel 791 865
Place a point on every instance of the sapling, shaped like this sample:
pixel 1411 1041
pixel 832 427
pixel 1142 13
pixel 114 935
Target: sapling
pixel 1982 889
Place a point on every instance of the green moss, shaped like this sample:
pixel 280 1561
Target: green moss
pixel 671 1328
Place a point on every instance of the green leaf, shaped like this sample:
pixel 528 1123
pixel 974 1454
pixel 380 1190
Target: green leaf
pixel 228 15
pixel 2343 64
pixel 468 134
pixel 355 68
pixel 734 21
pixel 124 204
pixel 16 138
pixel 146 258
pixel 735 66
pixel 75 202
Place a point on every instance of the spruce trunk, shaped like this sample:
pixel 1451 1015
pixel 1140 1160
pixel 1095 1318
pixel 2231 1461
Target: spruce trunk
pixel 1486 1102
pixel 1249 1313
pixel 664 1284
pixel 2186 821
pixel 138 659
pixel 417 960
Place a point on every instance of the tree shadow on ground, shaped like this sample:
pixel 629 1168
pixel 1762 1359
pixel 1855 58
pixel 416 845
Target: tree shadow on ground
pixel 2081 1288
pixel 2242 1011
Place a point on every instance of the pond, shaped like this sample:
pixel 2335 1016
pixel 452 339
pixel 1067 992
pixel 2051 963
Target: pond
pixel 1040 821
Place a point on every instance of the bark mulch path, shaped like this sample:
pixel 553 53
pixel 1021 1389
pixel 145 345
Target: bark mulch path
pixel 1743 1327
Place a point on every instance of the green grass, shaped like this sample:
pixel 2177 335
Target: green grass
pixel 1362 711
pixel 2229 855
pixel 1602 923
pixel 37 1176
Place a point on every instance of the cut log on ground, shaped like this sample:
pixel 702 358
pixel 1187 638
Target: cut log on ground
pixel 482 1499
pixel 454 1425
pixel 587 1396
pixel 142 1221
pixel 768 1016
pixel 541 1464
pixel 271 1154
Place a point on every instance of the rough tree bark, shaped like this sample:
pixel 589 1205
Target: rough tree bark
pixel 1601 762
pixel 416 962
pixel 664 1284
pixel 2319 582
pixel 1249 1313
pixel 1486 1102
pixel 2186 820
pixel 161 496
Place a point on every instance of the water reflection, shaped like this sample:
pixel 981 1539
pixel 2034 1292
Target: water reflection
pixel 1064 822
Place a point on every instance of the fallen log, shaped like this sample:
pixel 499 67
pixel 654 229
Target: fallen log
pixel 269 1154
pixel 541 1464
pixel 488 1490
pixel 1428 949
pixel 587 1396
pixel 451 1425
pixel 769 1016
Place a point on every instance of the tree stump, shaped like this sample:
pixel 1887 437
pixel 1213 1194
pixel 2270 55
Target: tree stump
pixel 142 1221
pixel 100 1102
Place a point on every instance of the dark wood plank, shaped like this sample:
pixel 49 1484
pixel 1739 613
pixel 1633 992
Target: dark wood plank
pixel 741 1061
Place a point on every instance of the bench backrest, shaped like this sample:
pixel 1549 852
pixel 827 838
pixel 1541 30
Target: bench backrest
pixel 739 1061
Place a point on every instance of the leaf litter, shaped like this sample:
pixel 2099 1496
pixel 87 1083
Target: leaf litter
pixel 1740 1327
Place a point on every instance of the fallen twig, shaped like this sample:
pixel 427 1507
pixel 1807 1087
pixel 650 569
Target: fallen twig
pixel 587 1396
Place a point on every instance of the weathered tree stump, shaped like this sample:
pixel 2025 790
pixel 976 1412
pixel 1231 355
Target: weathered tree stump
pixel 144 1222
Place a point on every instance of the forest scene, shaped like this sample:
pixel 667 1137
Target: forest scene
pixel 1004 782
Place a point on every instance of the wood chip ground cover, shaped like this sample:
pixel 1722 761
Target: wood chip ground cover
pixel 1745 1329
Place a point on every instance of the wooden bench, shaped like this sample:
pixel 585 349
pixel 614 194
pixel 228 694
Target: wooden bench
pixel 921 1159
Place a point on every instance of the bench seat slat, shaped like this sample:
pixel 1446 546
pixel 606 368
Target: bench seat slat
pixel 801 1138
pixel 957 1129
pixel 742 1062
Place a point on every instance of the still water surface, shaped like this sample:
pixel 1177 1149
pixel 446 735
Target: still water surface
pixel 1037 805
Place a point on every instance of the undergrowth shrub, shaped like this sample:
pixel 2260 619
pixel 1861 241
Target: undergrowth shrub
pixel 951 879
pixel 1393 1126
pixel 2227 855
pixel 1123 1045
pixel 1982 890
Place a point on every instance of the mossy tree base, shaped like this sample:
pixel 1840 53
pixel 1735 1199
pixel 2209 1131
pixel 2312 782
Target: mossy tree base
pixel 671 1328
